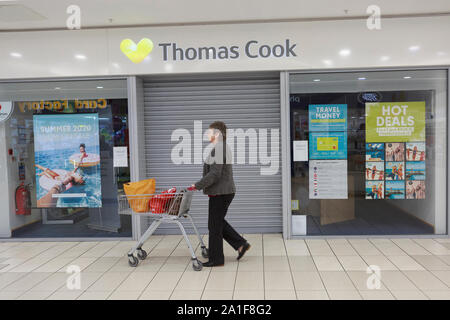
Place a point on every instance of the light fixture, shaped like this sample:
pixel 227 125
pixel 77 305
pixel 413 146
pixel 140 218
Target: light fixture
pixel 99 87
pixel 361 78
pixel 407 77
pixel 80 56
pixel 441 53
pixel 316 80
pixel 344 52
pixel 57 88
pixel 414 48
pixel 16 54
pixel 385 58
pixel 115 65
pixel 327 62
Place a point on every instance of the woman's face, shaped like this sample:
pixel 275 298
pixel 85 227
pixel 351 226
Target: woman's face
pixel 82 149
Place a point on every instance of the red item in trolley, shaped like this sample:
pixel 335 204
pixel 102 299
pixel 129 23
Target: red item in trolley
pixel 159 203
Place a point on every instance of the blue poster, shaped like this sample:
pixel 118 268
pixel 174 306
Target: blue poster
pixel 328 117
pixel 328 145
pixel 67 160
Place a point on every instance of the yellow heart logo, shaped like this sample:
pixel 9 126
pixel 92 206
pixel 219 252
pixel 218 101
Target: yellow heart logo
pixel 136 53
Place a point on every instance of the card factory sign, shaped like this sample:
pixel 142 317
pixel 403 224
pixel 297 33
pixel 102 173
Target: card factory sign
pixel 59 105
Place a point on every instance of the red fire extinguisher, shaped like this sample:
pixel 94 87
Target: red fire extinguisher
pixel 23 200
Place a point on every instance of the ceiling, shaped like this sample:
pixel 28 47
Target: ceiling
pixel 51 14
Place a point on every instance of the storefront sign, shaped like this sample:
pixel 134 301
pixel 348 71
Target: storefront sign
pixel 67 160
pixel 328 179
pixel 327 117
pixel 6 108
pixel 395 121
pixel 60 105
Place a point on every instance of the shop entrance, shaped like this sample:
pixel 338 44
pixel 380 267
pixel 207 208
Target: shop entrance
pixel 369 153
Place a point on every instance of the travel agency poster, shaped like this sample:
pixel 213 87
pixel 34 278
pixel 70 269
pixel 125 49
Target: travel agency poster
pixel 395 136
pixel 67 161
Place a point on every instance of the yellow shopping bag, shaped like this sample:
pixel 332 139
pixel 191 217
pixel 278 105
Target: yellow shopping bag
pixel 138 188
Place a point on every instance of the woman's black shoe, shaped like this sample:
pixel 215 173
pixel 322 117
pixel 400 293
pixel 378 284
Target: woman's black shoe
pixel 212 264
pixel 245 247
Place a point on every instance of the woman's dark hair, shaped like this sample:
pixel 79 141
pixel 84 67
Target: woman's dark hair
pixel 82 145
pixel 219 125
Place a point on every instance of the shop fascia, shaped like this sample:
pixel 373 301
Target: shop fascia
pixel 59 105
pixel 253 49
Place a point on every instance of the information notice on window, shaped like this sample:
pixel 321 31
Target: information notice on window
pixel 328 179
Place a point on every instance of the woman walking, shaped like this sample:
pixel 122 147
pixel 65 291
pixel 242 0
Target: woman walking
pixel 217 182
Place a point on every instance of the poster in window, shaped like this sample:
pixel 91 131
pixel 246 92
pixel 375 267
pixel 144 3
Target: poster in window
pixel 327 145
pixel 67 160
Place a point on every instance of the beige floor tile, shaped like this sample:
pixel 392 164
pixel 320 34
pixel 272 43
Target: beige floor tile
pixel 151 264
pixel 164 281
pixel 77 250
pixel 193 281
pixel 86 280
pixel 307 281
pixel 248 295
pixel 82 263
pixel 380 261
pixel 252 263
pixel 10 295
pixel 280 295
pixel 217 295
pixel 425 280
pixel 446 259
pixel 438 295
pixel 344 295
pixel 336 280
pixel 155 295
pixel 312 295
pixel 298 263
pixel 94 295
pixel 231 265
pixel 186 295
pixel 35 295
pixel 54 265
pixel 296 247
pixel 319 247
pixel 353 263
pixel 364 247
pixel 397 281
pixel 364 281
pixel 387 247
pixel 221 281
pixel 175 264
pixel 65 295
pixel 410 247
pixel 9 277
pixel 136 281
pixel 433 246
pixel 102 264
pixel 52 283
pixel 444 276
pixel 249 281
pixel 409 295
pixel 278 280
pixel 327 263
pixel 376 295
pixel 125 295
pixel 343 249
pixel 99 250
pixel 109 281
pixel 430 262
pixel 27 282
pixel 405 262
pixel 276 263
pixel 273 246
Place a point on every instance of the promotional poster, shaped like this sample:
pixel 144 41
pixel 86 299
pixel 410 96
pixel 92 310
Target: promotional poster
pixel 395 121
pixel 67 160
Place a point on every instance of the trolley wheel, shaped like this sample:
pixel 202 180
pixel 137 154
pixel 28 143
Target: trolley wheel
pixel 133 261
pixel 142 254
pixel 197 265
pixel 205 253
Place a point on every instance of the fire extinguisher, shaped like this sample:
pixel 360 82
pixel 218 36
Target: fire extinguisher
pixel 23 200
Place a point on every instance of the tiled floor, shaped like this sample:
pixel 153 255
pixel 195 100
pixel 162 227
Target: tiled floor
pixel 272 269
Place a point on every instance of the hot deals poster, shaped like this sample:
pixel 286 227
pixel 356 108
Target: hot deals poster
pixel 328 151
pixel 395 150
pixel 67 160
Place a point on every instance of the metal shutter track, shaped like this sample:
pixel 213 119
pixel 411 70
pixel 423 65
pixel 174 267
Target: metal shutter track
pixel 241 101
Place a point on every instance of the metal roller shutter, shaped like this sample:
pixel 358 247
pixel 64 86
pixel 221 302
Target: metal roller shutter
pixel 241 101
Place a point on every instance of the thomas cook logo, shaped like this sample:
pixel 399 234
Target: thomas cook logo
pixel 136 52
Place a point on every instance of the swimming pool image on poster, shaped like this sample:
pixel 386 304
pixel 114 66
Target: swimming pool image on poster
pixel 67 160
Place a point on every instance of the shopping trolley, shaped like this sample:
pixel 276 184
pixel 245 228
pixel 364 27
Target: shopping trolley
pixel 162 208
